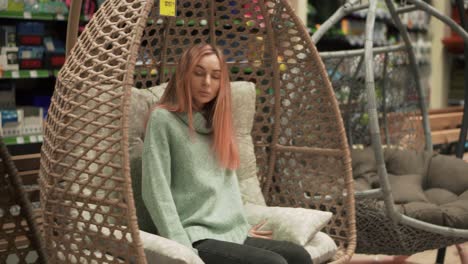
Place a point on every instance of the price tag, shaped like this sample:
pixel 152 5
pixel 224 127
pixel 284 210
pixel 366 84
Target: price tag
pixel 33 139
pixel 19 140
pixel 60 17
pixel 167 7
pixel 15 74
pixel 27 15
pixel 40 138
pixel 33 74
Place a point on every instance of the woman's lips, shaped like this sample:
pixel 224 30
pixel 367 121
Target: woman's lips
pixel 204 94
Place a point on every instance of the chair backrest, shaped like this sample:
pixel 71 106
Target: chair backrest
pixel 400 116
pixel 300 145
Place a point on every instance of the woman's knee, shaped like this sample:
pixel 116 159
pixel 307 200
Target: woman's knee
pixel 295 254
pixel 270 258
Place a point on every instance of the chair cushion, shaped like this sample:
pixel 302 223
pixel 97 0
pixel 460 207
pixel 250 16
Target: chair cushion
pixel 243 105
pixel 141 102
pixel 440 196
pixel 160 250
pixel 296 225
pixel 448 173
pixel 423 211
pixel 401 162
pixel 407 188
pixel 363 162
pixel 321 248
pixel 456 214
pixel 426 186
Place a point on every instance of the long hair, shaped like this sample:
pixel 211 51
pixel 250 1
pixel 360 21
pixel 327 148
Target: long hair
pixel 178 98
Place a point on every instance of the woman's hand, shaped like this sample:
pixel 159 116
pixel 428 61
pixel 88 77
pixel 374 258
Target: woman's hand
pixel 255 232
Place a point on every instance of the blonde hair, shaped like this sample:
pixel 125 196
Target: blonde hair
pixel 178 98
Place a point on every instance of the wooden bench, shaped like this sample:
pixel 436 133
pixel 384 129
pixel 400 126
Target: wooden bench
pixel 445 124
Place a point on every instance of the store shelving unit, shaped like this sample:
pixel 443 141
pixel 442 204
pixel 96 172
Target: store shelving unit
pixel 36 16
pixel 29 74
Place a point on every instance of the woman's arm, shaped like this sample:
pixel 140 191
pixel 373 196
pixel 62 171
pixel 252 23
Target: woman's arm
pixel 156 181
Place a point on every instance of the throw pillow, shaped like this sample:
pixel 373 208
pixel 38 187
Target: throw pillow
pixel 321 248
pixel 296 225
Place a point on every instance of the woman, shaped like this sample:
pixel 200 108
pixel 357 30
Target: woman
pixel 189 159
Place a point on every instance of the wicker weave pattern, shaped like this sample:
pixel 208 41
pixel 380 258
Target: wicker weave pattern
pixel 378 234
pixel 87 213
pixel 395 84
pixel 300 144
pixel 19 237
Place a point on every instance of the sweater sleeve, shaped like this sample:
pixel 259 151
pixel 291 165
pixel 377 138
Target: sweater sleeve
pixel 156 181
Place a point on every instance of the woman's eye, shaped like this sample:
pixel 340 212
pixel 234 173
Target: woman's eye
pixel 198 73
pixel 215 77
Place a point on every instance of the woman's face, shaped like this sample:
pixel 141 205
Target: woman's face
pixel 205 81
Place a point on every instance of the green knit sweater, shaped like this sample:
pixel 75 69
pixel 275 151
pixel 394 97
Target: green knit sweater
pixel 188 195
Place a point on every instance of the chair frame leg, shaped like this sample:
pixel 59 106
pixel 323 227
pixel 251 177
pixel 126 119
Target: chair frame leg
pixel 441 255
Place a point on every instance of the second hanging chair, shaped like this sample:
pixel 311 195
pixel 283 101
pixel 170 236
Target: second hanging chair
pixel 411 199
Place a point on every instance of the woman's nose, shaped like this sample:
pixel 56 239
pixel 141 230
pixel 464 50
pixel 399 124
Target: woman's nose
pixel 207 79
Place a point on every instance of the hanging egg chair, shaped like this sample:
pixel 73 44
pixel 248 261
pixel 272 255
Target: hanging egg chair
pixel 409 199
pixel 302 157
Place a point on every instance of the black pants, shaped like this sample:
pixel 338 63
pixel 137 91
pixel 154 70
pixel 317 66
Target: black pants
pixel 253 251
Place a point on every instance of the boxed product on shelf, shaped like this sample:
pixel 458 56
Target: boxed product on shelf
pixel 7 94
pixel 7 36
pixel 46 6
pixel 31 57
pixel 12 5
pixel 11 116
pixel 55 52
pixel 29 122
pixel 9 59
pixel 30 33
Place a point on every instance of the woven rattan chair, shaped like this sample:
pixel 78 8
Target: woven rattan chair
pixel 86 191
pixel 20 241
pixel 382 102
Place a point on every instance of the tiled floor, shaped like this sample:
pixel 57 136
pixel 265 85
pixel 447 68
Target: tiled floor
pixel 429 257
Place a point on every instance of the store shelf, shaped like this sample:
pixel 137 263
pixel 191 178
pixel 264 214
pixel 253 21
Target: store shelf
pixel 29 15
pixel 36 16
pixel 26 139
pixel 28 74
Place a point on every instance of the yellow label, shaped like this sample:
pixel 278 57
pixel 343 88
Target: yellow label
pixel 167 7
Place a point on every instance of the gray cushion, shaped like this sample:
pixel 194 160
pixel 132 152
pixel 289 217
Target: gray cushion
pixel 363 161
pixel 456 214
pixel 448 173
pixel 427 186
pixel 364 168
pixel 440 196
pixel 443 208
pixel 407 188
pixel 427 212
pixel 403 162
